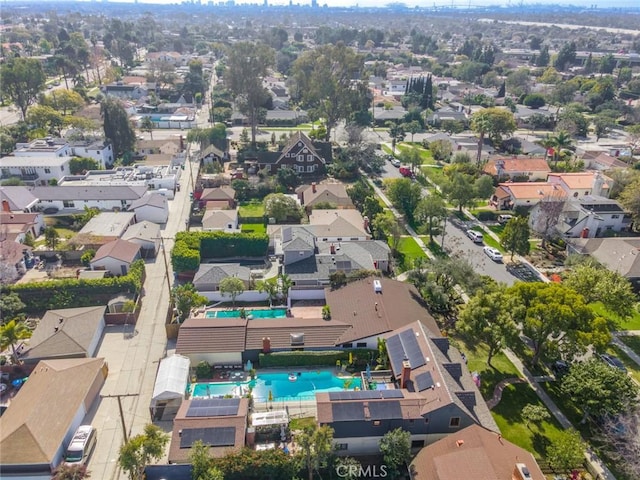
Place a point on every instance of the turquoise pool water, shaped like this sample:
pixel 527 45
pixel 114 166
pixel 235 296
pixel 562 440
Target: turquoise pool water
pixel 304 388
pixel 261 313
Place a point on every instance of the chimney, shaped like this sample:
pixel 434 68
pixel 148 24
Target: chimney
pixel 521 472
pixel 251 436
pixel 5 206
pixel 333 249
pixel 366 223
pixel 405 376
pixel 266 344
pixel 313 187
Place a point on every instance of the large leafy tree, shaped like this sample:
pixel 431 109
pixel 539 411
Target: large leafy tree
pixel 630 198
pixel 11 333
pixel 10 305
pixel 515 236
pixel 395 446
pixel 281 207
pixel 405 195
pixel 22 79
pixel 117 128
pixel 202 463
pixel 552 314
pixel 232 286
pixel 65 101
pixel 547 213
pixel 486 318
pixel 566 451
pixel 597 284
pixel 599 389
pixel 327 81
pixel 185 298
pixel 494 123
pixel 315 445
pixel 141 450
pixel 430 211
pixel 458 189
pixel 247 64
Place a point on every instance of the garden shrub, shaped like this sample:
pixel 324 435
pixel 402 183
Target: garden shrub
pixel 203 370
pixel 486 215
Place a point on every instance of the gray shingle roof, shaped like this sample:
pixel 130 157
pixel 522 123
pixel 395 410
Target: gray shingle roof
pixel 85 192
pixel 215 272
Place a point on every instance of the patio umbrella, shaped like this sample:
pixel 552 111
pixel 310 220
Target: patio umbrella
pixel 249 366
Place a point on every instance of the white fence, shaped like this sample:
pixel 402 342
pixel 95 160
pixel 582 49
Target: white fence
pixel 315 293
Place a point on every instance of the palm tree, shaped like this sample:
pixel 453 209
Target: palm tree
pixel 269 287
pixel 285 283
pixel 11 333
pixel 547 142
pixel 481 124
pixel 561 141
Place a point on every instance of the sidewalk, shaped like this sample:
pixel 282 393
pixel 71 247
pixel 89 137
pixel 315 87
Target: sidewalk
pixel 623 346
pixel 597 468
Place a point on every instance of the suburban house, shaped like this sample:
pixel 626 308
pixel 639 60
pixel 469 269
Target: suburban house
pixel 215 219
pixel 44 147
pixel 34 170
pixel 583 183
pixel 66 333
pixel 165 147
pixel 127 92
pixel 511 195
pixel 45 413
pixel 299 154
pixel 100 151
pixel 324 193
pixel 212 154
pixel 339 225
pixel 116 257
pixel 73 199
pixel 104 227
pixel 170 388
pixel 17 199
pixel 152 207
pixel 619 254
pixel 223 195
pixel 518 169
pixel 592 216
pixel 433 396
pixel 147 235
pixel 602 161
pixel 360 314
pixel 220 423
pixel 16 226
pixel 209 275
pixel 474 452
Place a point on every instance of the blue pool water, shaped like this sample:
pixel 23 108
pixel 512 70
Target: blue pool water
pixel 304 388
pixel 261 313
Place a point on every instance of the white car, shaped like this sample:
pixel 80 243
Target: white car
pixel 493 254
pixel 396 163
pixel 475 236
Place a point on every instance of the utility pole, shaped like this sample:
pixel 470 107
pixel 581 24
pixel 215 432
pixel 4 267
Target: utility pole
pixel 119 397
pixel 166 264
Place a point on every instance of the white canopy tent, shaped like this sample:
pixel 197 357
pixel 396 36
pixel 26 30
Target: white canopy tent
pixel 170 387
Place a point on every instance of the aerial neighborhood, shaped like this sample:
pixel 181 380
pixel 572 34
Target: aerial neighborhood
pixel 277 242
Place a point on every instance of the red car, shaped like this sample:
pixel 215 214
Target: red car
pixel 406 172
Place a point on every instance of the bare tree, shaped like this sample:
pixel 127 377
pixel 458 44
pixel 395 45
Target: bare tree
pixel 545 218
pixel 620 434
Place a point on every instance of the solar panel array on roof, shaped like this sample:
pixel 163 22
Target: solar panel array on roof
pixel 395 352
pixel 213 407
pixel 211 437
pixel 385 410
pixel 344 265
pixel 424 381
pixel 365 395
pixel 412 349
pixel 343 412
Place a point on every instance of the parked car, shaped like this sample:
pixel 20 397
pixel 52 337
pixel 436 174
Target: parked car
pixel 395 162
pixel 613 362
pixel 493 254
pixel 475 236
pixel 406 172
pixel 560 367
pixel 502 219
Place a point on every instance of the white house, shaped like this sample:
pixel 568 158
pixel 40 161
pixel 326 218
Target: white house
pixel 75 198
pixel 591 216
pixel 116 256
pixel 34 170
pixel 100 151
pixel 152 207
pixel 223 220
pixel 43 147
pixel 146 234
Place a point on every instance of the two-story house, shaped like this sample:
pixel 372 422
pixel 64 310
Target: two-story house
pixel 592 216
pixel 299 154
pixel 35 170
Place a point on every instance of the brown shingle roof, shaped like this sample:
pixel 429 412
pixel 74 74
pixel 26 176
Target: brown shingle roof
pixel 211 335
pixel 219 193
pixel 398 304
pixel 182 422
pixel 37 420
pixel 473 452
pixel 317 332
pixel 118 249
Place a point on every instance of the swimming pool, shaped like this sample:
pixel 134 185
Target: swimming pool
pixel 305 387
pixel 260 313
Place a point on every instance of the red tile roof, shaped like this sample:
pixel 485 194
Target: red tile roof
pixel 517 165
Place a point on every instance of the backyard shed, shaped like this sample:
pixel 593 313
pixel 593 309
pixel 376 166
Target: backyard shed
pixel 170 387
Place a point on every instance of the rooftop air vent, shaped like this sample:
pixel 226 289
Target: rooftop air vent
pixel 377 286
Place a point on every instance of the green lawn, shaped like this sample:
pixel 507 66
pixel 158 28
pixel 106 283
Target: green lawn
pixel 435 246
pixel 633 342
pixel 434 173
pixel 425 155
pixel 251 209
pixel 254 228
pixel 301 423
pixel 408 250
pixel 631 323
pixel 489 240
pixel 534 438
pixel 632 366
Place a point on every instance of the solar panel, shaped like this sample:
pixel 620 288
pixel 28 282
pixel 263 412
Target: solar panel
pixel 211 437
pixel 364 395
pixel 213 407
pixel 412 349
pixel 424 381
pixel 395 352
pixel 347 411
pixel 385 410
pixel 392 394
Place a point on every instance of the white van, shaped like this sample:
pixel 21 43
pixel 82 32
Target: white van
pixel 81 446
pixel 476 237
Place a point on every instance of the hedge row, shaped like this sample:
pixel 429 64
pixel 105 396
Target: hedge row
pixel 320 358
pixel 191 247
pixel 72 292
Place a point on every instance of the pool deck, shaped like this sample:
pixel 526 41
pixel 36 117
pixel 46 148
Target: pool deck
pixel 301 311
pixel 225 375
